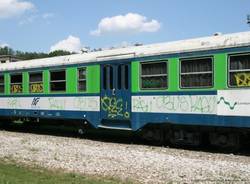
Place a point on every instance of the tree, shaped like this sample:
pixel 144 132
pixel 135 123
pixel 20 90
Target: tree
pixel 6 51
pixel 32 55
pixel 59 53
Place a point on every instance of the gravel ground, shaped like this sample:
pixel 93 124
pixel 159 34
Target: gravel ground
pixel 144 164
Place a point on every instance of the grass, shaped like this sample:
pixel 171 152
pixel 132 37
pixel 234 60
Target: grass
pixel 16 174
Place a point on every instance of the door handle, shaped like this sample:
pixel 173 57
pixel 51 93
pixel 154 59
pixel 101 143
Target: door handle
pixel 113 91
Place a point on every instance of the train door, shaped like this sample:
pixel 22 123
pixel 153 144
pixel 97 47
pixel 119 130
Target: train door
pixel 115 95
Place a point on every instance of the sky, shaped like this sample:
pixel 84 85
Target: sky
pixel 48 25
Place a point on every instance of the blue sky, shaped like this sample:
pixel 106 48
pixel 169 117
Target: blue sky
pixel 42 25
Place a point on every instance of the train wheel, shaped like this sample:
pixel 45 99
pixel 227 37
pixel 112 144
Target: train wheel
pixel 4 124
pixel 185 137
pixel 154 135
pixel 225 141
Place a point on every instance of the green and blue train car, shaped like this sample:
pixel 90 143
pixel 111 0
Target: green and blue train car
pixel 177 91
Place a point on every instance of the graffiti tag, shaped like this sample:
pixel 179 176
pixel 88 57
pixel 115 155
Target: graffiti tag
pixel 185 103
pixel 56 104
pixel 242 79
pixel 114 107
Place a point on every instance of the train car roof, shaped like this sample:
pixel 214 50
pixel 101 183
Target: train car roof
pixel 189 45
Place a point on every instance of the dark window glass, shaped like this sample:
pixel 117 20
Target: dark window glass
pixel 82 79
pixel 153 75
pixel 57 75
pixel 36 82
pixel 58 81
pixel 111 74
pixel 119 81
pixel 1 84
pixel 105 77
pixel 196 73
pixel 239 70
pixel 16 78
pixel 16 83
pixel 126 77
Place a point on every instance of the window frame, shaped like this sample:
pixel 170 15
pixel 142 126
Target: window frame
pixel 35 72
pixel 81 80
pixel 228 69
pixel 197 58
pixel 3 83
pixel 13 74
pixel 50 81
pixel 108 82
pixel 122 82
pixel 153 62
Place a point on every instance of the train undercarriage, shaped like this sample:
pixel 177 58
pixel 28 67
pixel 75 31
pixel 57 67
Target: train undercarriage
pixel 166 134
pixel 227 139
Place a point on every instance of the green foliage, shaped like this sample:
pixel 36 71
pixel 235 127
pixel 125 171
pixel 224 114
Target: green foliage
pixel 32 55
pixel 14 174
pixel 59 53
pixel 6 51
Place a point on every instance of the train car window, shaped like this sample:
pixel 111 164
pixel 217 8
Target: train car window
pixel 58 81
pixel 239 70
pixel 111 86
pixel 122 82
pixel 1 84
pixel 196 73
pixel 119 81
pixel 36 82
pixel 16 81
pixel 105 77
pixel 153 75
pixel 125 77
pixel 81 79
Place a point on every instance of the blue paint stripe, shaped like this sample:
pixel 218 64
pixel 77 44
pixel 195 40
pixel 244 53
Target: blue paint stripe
pixel 142 93
pixel 191 119
pixel 138 119
pixel 51 95
pixel 145 93
pixel 92 116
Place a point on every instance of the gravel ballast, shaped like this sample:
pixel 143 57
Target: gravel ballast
pixel 141 163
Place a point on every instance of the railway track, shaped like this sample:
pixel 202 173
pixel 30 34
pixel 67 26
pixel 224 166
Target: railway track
pixel 123 137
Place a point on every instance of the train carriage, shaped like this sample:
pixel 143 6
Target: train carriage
pixel 178 91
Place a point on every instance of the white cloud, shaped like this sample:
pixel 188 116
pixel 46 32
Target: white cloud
pixel 130 22
pixel 47 15
pixel 2 45
pixel 33 17
pixel 28 20
pixel 11 8
pixel 71 44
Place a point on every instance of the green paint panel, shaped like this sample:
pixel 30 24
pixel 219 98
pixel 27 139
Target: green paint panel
pixel 71 78
pixel 135 70
pixel 7 83
pixel 173 74
pixel 46 80
pixel 25 82
pixel 220 71
pixel 93 79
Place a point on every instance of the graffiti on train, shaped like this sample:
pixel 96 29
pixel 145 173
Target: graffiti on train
pixel 176 104
pixel 242 79
pixel 86 103
pixel 115 107
pixel 13 103
pixel 56 104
